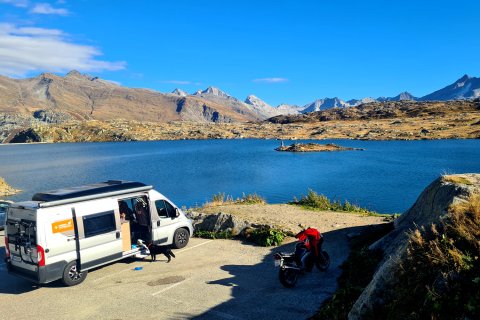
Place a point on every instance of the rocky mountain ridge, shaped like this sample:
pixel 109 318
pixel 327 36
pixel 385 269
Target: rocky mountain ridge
pixel 50 98
pixel 464 88
pixel 386 110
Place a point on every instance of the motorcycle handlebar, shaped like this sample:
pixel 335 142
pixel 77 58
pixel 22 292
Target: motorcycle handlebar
pixel 302 227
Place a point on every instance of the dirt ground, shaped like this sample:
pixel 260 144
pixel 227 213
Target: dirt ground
pixel 287 217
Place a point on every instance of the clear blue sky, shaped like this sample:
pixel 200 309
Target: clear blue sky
pixel 282 51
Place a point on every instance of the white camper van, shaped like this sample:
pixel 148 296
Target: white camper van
pixel 61 234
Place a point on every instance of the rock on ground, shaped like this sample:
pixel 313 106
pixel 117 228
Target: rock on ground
pixel 218 222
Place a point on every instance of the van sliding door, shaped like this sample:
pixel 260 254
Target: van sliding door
pixel 99 239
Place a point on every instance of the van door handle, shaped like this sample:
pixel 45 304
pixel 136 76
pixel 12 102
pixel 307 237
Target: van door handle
pixel 158 223
pixel 118 234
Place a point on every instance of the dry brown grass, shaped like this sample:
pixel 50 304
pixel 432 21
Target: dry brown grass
pixel 440 276
pixel 220 199
pixel 457 180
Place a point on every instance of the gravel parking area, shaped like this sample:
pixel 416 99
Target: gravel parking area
pixel 209 279
pixel 220 279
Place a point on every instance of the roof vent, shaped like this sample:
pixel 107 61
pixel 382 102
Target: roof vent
pixel 110 182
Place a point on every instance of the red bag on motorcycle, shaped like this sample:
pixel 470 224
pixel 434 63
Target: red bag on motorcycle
pixel 314 238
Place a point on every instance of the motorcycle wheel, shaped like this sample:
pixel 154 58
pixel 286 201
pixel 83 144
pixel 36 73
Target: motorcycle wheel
pixel 323 263
pixel 288 277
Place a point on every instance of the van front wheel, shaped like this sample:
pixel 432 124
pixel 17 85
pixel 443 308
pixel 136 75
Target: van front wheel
pixel 71 276
pixel 180 238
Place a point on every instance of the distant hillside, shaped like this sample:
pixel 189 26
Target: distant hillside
pixel 384 110
pixel 53 98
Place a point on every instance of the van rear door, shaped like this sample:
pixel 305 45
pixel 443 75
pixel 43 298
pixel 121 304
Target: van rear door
pixel 24 254
pixel 98 233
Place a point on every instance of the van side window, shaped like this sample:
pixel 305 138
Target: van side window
pixel 99 223
pixel 165 209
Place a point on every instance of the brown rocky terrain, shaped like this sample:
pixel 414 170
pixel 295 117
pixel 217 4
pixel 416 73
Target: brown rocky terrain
pixel 386 110
pixel 52 98
pixel 445 123
pixel 78 107
pixel 6 189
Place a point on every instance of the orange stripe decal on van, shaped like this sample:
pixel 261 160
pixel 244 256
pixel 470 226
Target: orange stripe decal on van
pixel 62 226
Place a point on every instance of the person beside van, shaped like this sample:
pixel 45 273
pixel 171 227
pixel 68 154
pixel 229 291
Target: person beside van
pixel 125 212
pixel 141 212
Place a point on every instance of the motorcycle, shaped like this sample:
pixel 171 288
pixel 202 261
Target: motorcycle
pixel 294 264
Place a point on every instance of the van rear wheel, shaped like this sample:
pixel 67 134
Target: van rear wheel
pixel 180 238
pixel 71 276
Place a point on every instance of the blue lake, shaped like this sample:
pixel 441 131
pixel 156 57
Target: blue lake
pixel 387 177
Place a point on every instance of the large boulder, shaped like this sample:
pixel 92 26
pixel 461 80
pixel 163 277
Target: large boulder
pixel 432 204
pixel 218 222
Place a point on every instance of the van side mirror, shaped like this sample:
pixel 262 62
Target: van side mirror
pixel 177 213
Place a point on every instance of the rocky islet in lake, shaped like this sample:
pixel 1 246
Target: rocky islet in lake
pixel 313 147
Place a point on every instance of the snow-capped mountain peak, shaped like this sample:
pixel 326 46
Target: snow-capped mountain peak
pixel 254 100
pixel 464 88
pixel 214 91
pixel 261 107
pixel 322 104
pixel 180 92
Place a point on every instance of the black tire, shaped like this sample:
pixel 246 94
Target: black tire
pixel 288 277
pixel 70 275
pixel 180 238
pixel 323 263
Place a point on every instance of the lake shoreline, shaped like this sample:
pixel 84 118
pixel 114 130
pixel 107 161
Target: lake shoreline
pixel 230 139
pixel 433 127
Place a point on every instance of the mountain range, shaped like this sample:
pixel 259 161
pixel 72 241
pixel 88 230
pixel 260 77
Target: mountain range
pixel 53 98
pixel 463 89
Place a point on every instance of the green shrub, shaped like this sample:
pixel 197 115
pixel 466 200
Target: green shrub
pixel 265 236
pixel 226 234
pixel 317 201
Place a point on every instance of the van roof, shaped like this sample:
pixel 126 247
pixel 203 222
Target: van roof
pixel 88 190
